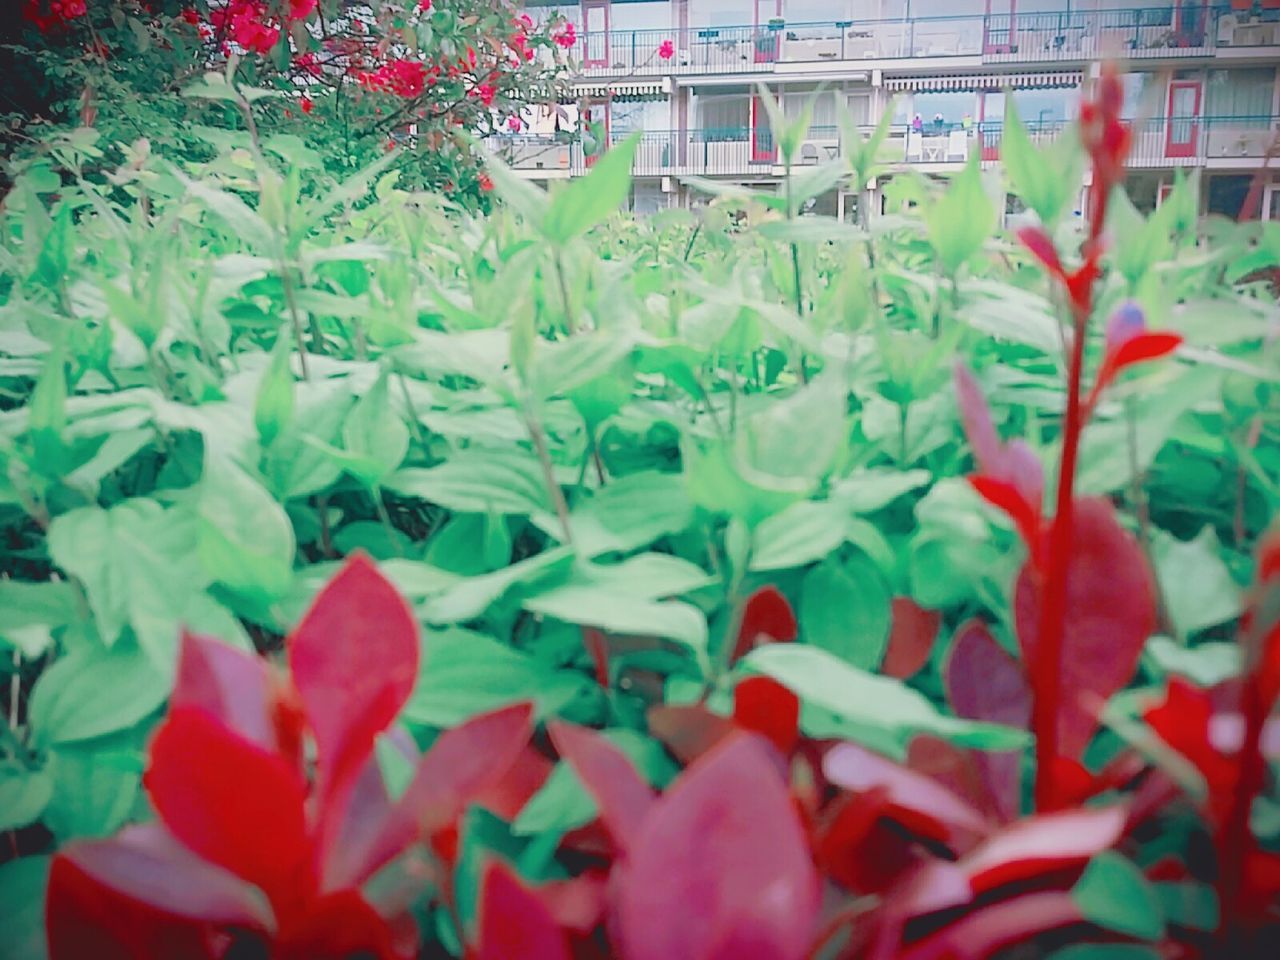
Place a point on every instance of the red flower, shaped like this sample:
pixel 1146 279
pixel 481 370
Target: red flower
pixel 566 36
pixel 666 49
pixel 515 124
pixel 485 183
pixel 307 104
pixel 301 9
pixel 283 861
pixel 192 16
pixel 485 93
pixel 404 78
pixel 424 6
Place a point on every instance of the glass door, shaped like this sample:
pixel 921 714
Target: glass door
pixel 1190 22
pixel 1183 132
pixel 595 33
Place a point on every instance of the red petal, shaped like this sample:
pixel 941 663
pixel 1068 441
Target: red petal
pixel 918 802
pixel 1110 613
pixel 911 638
pixel 622 798
pixel 232 803
pixel 767 617
pixel 1042 844
pixel 983 682
pixel 142 895
pixel 720 863
pixel 226 683
pixel 762 705
pixel 1041 246
pixel 1137 349
pixel 337 927
pixel 514 923
pixel 354 659
pixel 458 767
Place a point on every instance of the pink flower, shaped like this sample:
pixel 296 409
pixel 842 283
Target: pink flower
pixel 301 9
pixel 307 104
pixel 308 63
pixel 485 183
pixel 404 78
pixel 666 49
pixel 424 6
pixel 485 93
pixel 515 124
pixel 566 36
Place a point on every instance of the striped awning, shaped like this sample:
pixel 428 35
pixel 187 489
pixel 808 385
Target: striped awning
pixel 986 81
pixel 623 91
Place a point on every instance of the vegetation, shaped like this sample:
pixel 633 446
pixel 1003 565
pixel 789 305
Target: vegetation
pixel 384 578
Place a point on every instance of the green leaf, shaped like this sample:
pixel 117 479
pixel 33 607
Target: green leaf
pixel 1206 664
pixel 1190 905
pixel 471 596
pixel 245 541
pixel 31 612
pixel 587 201
pixel 92 692
pixel 1199 590
pixel 811 230
pixel 24 794
pixel 799 535
pixel 273 408
pixel 478 480
pixel 374 436
pixel 631 512
pixel 465 673
pixel 881 709
pixel 1114 895
pixel 1106 951
pixel 960 222
pixel 96 787
pixel 1046 179
pixel 845 609
pixel 22 887
pixel 870 490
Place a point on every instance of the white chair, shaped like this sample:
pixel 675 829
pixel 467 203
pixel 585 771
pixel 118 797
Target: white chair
pixel 958 146
pixel 915 146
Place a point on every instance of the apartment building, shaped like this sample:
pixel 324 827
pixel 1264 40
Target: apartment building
pixel 1203 88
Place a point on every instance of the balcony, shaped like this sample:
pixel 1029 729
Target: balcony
pixel 743 153
pixel 1031 38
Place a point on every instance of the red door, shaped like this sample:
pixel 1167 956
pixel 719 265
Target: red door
pixel 763 148
pixel 766 41
pixel 1182 132
pixel 1000 26
pixel 595 33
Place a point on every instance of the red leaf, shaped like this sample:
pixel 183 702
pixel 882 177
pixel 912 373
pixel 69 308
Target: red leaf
pixel 989 930
pixel 984 683
pixel 226 683
pixel 976 417
pixel 1138 349
pixel 142 895
pixel 957 769
pixel 862 850
pixel 598 649
pixel 720 864
pixel 918 802
pixel 506 796
pixel 762 705
pixel 1042 844
pixel 514 923
pixel 910 639
pixel 766 618
pixel 232 803
pixel 1110 613
pixel 622 798
pixel 354 659
pixel 688 730
pixel 460 764
pixel 1042 248
pixel 337 926
pixel 1025 515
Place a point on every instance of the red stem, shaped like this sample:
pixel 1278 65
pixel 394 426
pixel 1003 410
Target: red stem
pixel 1048 658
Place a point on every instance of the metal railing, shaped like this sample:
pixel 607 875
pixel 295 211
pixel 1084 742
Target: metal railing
pixel 1138 32
pixel 744 151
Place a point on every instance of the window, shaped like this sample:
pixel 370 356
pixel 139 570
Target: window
pixel 720 13
pixel 822 125
pixel 1142 95
pixel 647 198
pixel 1227 194
pixel 649 15
pixel 1243 95
pixel 814 11
pixel 650 115
pixel 945 110
pixel 724 117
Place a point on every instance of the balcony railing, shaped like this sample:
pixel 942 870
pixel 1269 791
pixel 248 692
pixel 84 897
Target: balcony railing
pixel 1139 32
pixel 744 152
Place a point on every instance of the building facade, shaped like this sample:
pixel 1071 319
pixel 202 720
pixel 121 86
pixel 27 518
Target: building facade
pixel 1202 86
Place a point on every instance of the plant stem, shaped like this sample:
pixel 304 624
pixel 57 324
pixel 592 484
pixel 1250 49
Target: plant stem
pixel 564 294
pixel 1047 667
pixel 540 448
